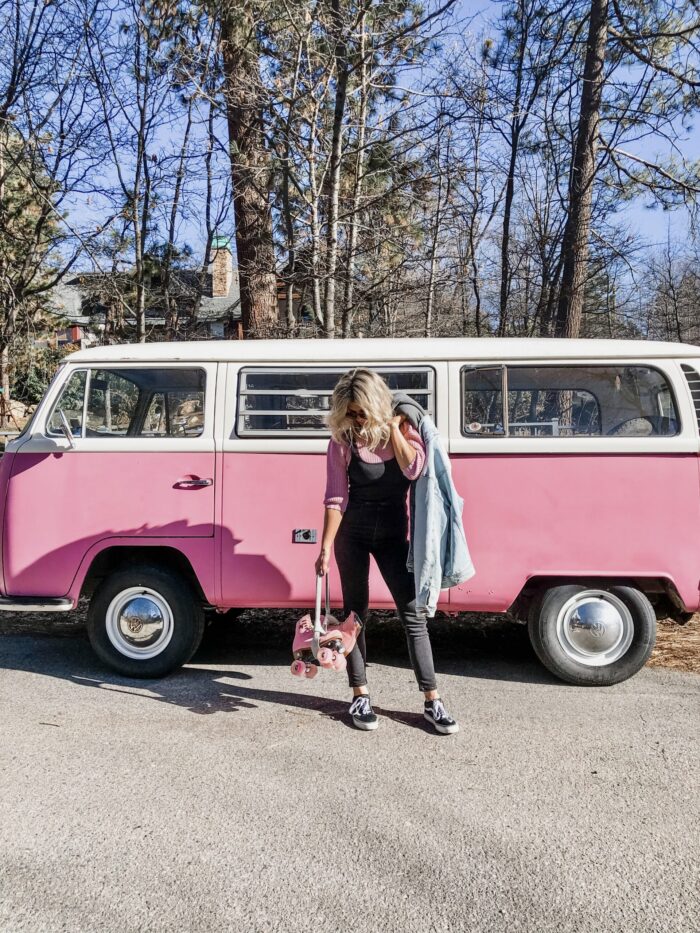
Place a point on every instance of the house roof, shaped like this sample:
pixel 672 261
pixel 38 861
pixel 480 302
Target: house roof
pixel 68 297
pixel 216 309
pixel 66 300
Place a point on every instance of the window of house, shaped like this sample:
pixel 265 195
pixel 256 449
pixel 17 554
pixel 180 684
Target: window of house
pixel 143 402
pixel 567 401
pixel 297 401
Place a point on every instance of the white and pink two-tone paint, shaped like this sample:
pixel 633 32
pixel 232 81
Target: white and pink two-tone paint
pixel 190 477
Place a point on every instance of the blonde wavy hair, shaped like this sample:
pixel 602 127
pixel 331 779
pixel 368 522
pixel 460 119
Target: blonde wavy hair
pixel 368 390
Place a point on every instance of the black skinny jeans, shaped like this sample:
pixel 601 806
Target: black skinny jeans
pixel 380 529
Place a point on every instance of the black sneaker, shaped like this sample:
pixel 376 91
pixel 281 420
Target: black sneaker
pixel 362 714
pixel 441 720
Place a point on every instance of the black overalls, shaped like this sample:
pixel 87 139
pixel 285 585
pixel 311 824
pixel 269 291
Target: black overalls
pixel 376 522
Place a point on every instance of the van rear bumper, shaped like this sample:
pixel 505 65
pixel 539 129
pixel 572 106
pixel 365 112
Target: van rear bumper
pixel 34 604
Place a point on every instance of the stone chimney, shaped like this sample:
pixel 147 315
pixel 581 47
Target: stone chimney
pixel 221 267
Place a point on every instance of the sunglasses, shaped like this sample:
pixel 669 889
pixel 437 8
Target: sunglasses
pixel 354 415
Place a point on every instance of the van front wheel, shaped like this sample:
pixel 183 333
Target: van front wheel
pixel 145 621
pixel 592 635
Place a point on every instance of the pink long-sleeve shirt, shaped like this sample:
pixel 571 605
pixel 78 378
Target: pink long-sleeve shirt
pixel 338 460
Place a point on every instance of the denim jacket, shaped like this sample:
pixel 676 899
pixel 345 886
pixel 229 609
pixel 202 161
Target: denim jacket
pixel 438 554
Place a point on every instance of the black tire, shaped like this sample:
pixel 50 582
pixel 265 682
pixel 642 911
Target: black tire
pixel 185 624
pixel 551 648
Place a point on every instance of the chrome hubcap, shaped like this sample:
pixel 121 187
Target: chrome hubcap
pixel 139 623
pixel 595 627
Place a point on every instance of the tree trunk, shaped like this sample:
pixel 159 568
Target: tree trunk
pixel 171 308
pixel 141 203
pixel 435 238
pixel 250 170
pixel 315 250
pixel 357 187
pixel 315 222
pixel 516 126
pixel 286 202
pixel 342 71
pixel 576 232
pixel 5 387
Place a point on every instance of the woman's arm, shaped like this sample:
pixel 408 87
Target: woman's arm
pixel 331 524
pixel 335 501
pixel 404 451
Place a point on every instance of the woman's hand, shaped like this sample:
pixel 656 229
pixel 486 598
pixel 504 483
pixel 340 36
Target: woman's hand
pixel 400 422
pixel 322 562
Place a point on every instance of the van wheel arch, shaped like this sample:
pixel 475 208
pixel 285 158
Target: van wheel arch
pixel 661 593
pixel 119 557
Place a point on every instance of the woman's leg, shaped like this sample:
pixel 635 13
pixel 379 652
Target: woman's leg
pixel 352 558
pixel 390 556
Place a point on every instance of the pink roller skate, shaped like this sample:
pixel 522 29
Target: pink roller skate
pixel 323 642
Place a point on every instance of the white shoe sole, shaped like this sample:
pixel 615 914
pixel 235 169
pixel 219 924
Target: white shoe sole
pixel 365 726
pixel 445 730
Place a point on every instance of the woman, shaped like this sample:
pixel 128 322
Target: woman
pixel 372 458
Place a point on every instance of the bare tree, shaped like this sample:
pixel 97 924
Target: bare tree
pixel 50 143
pixel 664 42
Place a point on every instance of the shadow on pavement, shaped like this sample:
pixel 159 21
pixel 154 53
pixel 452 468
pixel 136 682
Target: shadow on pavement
pixel 211 683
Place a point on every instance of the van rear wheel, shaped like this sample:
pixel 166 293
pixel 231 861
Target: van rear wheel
pixel 145 621
pixel 595 636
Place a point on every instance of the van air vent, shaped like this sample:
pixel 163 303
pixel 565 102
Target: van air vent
pixel 693 378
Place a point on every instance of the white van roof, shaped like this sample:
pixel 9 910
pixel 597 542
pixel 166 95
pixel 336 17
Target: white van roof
pixel 318 351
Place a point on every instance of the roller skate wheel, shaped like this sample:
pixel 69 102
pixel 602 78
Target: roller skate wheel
pixel 340 663
pixel 298 668
pixel 325 657
pixel 311 671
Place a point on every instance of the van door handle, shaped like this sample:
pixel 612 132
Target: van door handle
pixel 193 483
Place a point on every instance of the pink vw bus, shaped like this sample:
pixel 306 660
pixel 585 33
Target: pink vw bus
pixel 164 480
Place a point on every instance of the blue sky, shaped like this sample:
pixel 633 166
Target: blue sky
pixel 653 223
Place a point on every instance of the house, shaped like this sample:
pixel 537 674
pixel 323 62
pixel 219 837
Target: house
pixel 207 304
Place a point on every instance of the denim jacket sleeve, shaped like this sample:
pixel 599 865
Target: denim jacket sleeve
pixel 439 556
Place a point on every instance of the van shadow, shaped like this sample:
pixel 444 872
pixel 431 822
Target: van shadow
pixel 56 571
pixel 199 690
pixel 214 682
pixel 470 645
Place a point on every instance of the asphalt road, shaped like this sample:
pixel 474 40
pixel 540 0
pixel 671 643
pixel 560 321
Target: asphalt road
pixel 232 796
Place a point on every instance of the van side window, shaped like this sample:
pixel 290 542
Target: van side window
pixel 111 404
pixel 138 402
pixel 174 414
pixel 567 401
pixel 71 404
pixel 297 401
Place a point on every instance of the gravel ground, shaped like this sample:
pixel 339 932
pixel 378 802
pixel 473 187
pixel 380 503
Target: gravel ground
pixel 677 646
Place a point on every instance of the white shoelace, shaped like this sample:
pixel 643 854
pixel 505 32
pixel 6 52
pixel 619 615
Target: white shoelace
pixel 360 706
pixel 439 711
